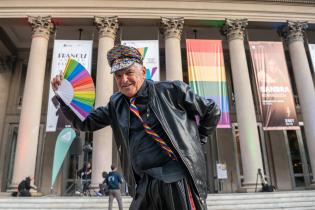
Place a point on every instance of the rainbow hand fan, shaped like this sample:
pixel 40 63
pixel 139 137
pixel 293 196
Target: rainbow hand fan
pixel 77 89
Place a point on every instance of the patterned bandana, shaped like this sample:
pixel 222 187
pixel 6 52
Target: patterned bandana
pixel 121 57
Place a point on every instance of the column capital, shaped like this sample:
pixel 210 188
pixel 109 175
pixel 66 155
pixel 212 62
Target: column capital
pixel 294 30
pixel 172 27
pixel 41 26
pixel 234 28
pixel 107 26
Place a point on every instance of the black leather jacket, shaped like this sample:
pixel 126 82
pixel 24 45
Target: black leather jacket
pixel 176 106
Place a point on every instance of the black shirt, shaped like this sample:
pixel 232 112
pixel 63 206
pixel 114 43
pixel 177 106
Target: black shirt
pixel 147 156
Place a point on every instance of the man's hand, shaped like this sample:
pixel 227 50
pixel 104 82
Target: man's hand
pixel 56 81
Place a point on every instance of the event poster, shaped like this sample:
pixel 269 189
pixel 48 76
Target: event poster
pixel 221 171
pixel 80 50
pixel 206 74
pixel 149 50
pixel 273 86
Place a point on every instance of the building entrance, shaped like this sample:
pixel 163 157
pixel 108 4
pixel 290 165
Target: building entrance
pixel 298 158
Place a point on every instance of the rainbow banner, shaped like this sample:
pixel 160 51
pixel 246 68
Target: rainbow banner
pixel 206 74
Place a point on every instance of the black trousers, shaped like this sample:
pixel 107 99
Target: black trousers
pixel 153 194
pixel 25 193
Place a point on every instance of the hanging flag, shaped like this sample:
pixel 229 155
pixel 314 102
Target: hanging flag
pixel 63 143
pixel 312 52
pixel 80 50
pixel 149 50
pixel 206 73
pixel 273 86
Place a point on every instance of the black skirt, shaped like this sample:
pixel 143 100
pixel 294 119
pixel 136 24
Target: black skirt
pixel 154 194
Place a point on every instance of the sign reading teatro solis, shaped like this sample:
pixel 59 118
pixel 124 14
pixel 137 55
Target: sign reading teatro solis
pixel 273 86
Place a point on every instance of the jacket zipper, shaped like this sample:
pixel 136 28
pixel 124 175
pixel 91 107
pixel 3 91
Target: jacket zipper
pixel 178 151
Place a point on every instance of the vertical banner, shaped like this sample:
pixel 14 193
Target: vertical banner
pixel 206 74
pixel 63 143
pixel 149 50
pixel 80 50
pixel 312 52
pixel 273 86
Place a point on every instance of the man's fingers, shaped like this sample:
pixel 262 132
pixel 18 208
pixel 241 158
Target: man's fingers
pixel 56 81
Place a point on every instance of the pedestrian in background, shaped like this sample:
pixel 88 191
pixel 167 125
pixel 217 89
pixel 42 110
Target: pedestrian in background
pixel 113 182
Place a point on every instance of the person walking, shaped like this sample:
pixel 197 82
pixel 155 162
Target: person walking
pixel 156 128
pixel 113 181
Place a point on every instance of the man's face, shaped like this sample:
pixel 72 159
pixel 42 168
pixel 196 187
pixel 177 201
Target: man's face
pixel 129 80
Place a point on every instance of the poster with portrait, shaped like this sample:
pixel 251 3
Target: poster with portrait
pixel 273 86
pixel 80 50
pixel 149 50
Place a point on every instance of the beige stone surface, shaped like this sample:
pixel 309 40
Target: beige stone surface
pixel 253 10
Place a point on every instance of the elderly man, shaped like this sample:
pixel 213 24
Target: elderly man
pixel 154 125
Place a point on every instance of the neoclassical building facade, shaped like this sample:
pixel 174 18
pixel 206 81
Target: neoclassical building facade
pixel 27 33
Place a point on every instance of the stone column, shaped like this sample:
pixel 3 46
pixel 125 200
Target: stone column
pixel 293 34
pixel 245 110
pixel 27 139
pixel 102 139
pixel 172 28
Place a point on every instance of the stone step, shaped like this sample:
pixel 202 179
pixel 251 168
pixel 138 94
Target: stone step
pixel 300 205
pixel 237 196
pixel 262 201
pixel 302 200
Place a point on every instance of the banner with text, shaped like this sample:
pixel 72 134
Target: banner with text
pixel 80 50
pixel 273 86
pixel 206 73
pixel 149 50
pixel 312 52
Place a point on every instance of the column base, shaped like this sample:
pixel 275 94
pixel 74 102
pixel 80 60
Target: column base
pixel 95 186
pixel 248 188
pixel 311 186
pixel 14 188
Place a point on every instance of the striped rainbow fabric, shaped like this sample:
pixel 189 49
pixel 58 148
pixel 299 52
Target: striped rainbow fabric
pixel 206 74
pixel 83 88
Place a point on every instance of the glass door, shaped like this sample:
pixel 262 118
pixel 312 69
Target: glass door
pixel 13 132
pixel 298 157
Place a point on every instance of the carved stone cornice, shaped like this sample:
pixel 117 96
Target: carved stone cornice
pixel 172 27
pixel 107 26
pixel 294 31
pixel 234 28
pixel 41 26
